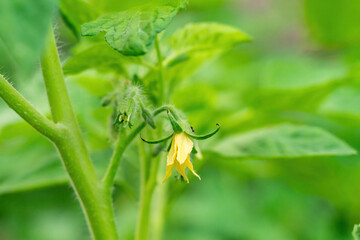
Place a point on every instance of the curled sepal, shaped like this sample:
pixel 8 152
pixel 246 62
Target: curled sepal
pixel 148 117
pixel 157 141
pixel 174 123
pixel 205 136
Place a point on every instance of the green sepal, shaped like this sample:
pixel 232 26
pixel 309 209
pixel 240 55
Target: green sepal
pixel 194 150
pixel 169 147
pixel 148 117
pixel 205 136
pixel 173 113
pixel 157 141
pixel 175 125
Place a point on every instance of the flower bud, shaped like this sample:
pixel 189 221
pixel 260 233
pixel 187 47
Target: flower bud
pixel 128 106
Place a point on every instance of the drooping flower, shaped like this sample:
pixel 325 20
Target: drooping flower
pixel 181 147
pixel 179 156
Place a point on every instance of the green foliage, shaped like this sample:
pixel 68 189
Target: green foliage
pixel 97 84
pixel 28 160
pixel 290 73
pixel 334 23
pixel 204 37
pixel 342 101
pixel 191 47
pixel 283 141
pixel 131 32
pixel 101 57
pixel 196 43
pixel 197 102
pixel 77 12
pixel 23 27
pixel 288 110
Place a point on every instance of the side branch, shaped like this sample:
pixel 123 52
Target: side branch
pixel 120 148
pixel 27 111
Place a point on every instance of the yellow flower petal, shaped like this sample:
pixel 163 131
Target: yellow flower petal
pixel 191 167
pixel 172 153
pixel 169 169
pixel 181 169
pixel 179 156
pixel 184 147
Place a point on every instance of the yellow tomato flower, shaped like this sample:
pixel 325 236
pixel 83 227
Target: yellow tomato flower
pixel 181 145
pixel 179 156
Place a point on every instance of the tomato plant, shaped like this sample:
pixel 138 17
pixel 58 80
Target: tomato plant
pixel 158 114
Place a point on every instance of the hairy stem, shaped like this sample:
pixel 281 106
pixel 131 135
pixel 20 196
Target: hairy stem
pixel 142 228
pixel 142 225
pixel 27 111
pixel 121 145
pixel 160 205
pixel 146 194
pixel 96 205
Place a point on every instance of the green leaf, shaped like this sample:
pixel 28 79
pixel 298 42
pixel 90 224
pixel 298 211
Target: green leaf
pixel 27 160
pixel 77 12
pixel 49 174
pixel 97 84
pixel 343 100
pixel 192 46
pixel 131 32
pixel 186 100
pixel 283 141
pixel 285 81
pixel 295 72
pixel 196 43
pixel 101 57
pixel 23 28
pixel 204 37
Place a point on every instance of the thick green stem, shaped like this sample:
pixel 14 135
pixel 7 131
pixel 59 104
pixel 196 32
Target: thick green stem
pixel 96 205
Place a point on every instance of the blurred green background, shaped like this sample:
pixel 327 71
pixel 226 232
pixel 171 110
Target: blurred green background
pixel 302 68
